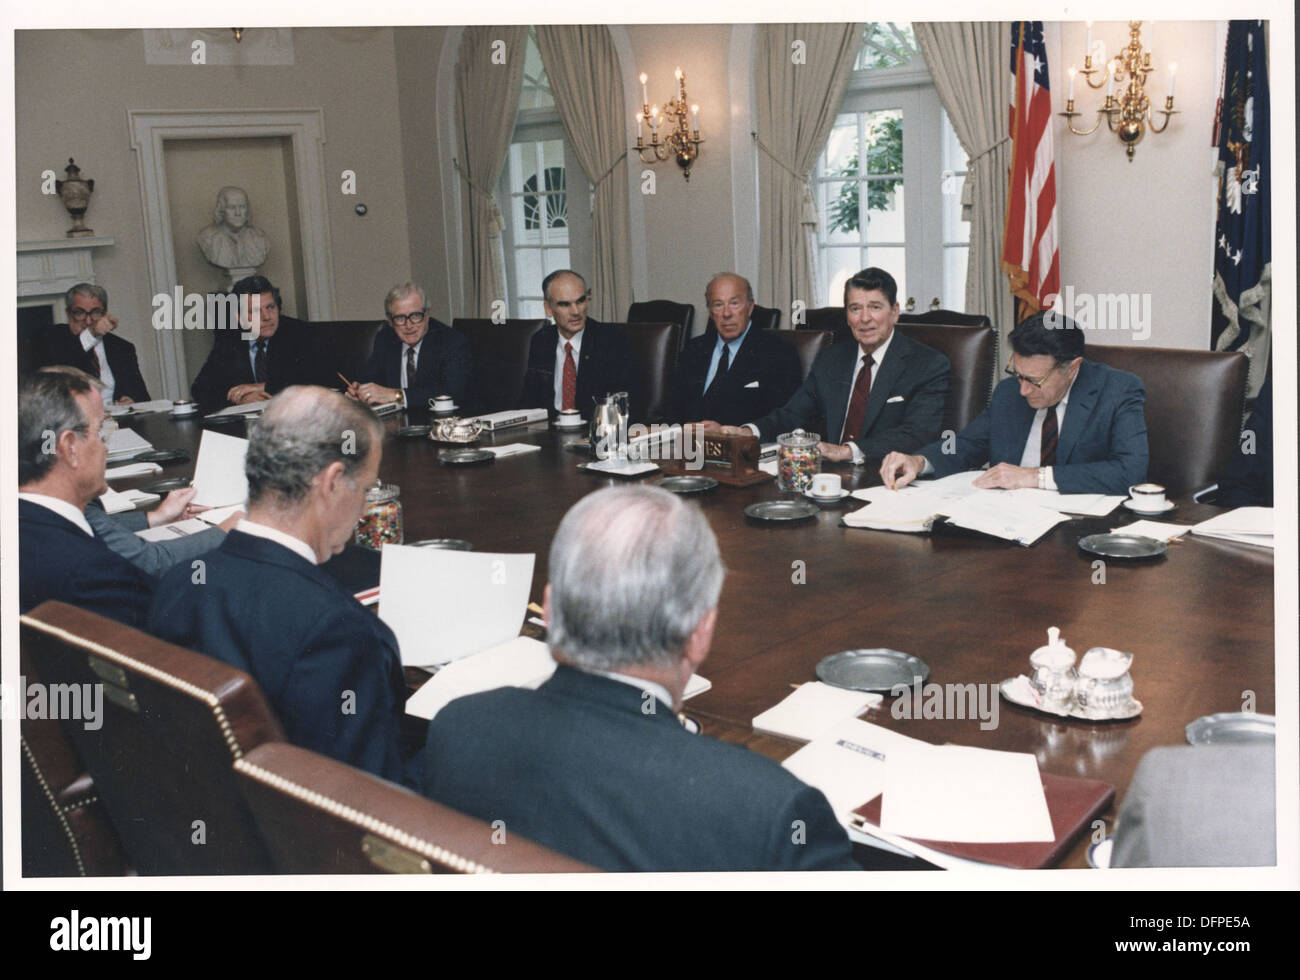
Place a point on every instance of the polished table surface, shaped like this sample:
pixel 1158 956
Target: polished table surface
pixel 1199 621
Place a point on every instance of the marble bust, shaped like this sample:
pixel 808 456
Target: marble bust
pixel 230 242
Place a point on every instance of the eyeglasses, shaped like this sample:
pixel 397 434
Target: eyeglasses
pixel 77 314
pixel 1036 382
pixel 402 319
pixel 84 430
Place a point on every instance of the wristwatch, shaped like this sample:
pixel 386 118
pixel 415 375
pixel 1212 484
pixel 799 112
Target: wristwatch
pixel 401 400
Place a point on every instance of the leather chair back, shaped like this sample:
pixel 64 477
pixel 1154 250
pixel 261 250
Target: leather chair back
pixel 65 828
pixel 321 816
pixel 949 318
pixel 1194 407
pixel 664 311
pixel 765 318
pixel 808 344
pixel 345 345
pixel 827 318
pixel 970 351
pixel 172 723
pixel 499 353
pixel 654 355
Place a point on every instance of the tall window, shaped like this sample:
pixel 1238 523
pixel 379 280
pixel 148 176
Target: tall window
pixel 888 184
pixel 546 229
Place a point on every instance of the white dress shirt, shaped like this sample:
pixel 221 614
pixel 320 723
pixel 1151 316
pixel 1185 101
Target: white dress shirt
pixel 640 683
pixel 61 507
pixel 1031 457
pixel 296 545
pixel 559 364
pixel 734 350
pixel 95 345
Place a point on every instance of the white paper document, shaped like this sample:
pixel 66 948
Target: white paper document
pixel 1247 525
pixel 1084 504
pixel 1003 517
pixel 622 467
pixel 445 605
pixel 811 709
pixel 696 685
pixel 1158 530
pixel 219 470
pixel 216 515
pixel 521 662
pixel 847 763
pixel 128 470
pixel 176 529
pixel 513 449
pixel 118 502
pixel 125 443
pixel 248 408
pixel 910 513
pixel 960 793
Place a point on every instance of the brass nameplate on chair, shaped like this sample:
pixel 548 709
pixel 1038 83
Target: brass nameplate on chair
pixel 111 673
pixel 121 698
pixel 387 856
pixel 732 460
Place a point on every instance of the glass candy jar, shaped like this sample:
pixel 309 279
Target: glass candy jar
pixel 798 460
pixel 381 521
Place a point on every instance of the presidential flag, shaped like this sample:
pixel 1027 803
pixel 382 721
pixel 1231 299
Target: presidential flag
pixel 1240 316
pixel 1029 253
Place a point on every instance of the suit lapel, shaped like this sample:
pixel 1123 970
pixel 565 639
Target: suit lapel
pixel 891 368
pixel 839 384
pixel 1083 399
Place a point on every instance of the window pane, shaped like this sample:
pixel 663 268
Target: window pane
pixel 884 210
pixel 528 270
pixel 531 309
pixel 556 258
pixel 893 261
pixel 954 228
pixel 954 157
pixel 954 278
pixel 840 264
pixel 842 147
pixel 841 222
pixel 884 130
pixel 535 93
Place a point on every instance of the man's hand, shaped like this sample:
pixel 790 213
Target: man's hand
pixel 243 394
pixel 900 469
pixel 107 324
pixel 1006 476
pixel 833 453
pixel 373 394
pixel 124 400
pixel 174 506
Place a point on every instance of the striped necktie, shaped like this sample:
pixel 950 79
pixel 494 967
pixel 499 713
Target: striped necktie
pixel 1047 446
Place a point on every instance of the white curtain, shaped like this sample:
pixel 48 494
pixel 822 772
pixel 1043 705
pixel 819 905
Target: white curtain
pixel 489 72
pixel 583 70
pixel 970 67
pixel 803 70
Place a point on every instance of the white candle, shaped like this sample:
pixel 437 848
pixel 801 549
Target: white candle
pixel 640 125
pixel 1110 79
pixel 645 99
pixel 654 120
pixel 1173 70
pixel 695 114
pixel 678 75
pixel 1087 42
pixel 1071 84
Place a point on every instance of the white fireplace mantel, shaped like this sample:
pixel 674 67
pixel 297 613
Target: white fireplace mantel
pixel 47 270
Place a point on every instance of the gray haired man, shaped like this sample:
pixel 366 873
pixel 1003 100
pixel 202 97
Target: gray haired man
pixel 329 667
pixel 595 763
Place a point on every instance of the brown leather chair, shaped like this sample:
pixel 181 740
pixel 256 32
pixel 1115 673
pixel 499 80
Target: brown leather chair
pixel 765 318
pixel 65 828
pixel 971 351
pixel 500 359
pixel 173 722
pixel 949 318
pixel 654 355
pixel 1194 408
pixel 345 345
pixel 808 344
pixel 320 816
pixel 827 318
pixel 664 311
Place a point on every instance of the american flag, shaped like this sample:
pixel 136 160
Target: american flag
pixel 1029 253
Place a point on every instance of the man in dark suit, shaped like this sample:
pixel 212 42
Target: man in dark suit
pixel 418 359
pixel 734 372
pixel 268 354
pixel 595 763
pixel 885 392
pixel 61 457
pixel 87 342
pixel 574 361
pixel 1060 423
pixel 261 603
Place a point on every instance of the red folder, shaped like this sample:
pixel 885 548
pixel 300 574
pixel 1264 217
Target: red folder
pixel 1072 804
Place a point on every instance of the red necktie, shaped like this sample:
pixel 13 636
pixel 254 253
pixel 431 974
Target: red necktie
pixel 858 403
pixel 93 366
pixel 569 389
pixel 1047 447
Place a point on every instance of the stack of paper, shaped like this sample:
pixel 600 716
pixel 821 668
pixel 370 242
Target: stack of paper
pixel 520 662
pixel 621 467
pixel 128 470
pixel 125 443
pixel 176 529
pixel 911 513
pixel 513 449
pixel 811 709
pixel 445 605
pixel 504 420
pixel 1003 517
pixel 249 408
pixel 219 470
pixel 141 408
pixel 1084 504
pixel 1248 525
pixel 216 515
pixel 117 502
pixel 1157 530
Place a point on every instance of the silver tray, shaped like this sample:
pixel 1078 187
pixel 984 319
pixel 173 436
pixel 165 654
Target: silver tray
pixel 445 544
pixel 1122 713
pixel 1123 546
pixel 782 510
pixel 878 669
pixel 458 457
pixel 687 484
pixel 413 432
pixel 1232 728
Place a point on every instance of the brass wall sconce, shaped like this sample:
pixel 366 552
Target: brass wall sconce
pixel 679 141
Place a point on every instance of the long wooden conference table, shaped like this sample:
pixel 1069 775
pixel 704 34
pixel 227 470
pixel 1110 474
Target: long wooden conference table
pixel 1199 622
